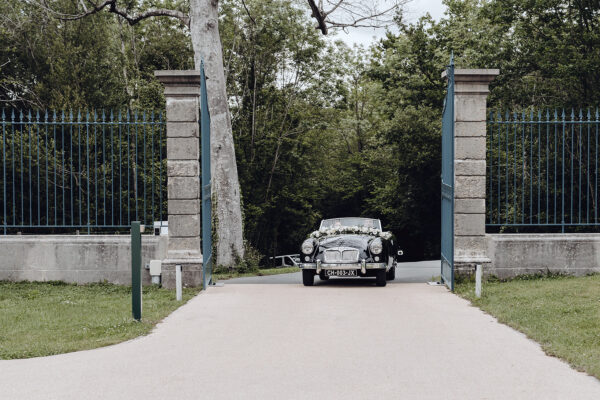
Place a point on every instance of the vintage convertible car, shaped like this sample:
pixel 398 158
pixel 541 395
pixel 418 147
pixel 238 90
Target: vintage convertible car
pixel 349 247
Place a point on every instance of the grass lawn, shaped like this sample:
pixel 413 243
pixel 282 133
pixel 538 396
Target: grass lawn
pixel 40 319
pixel 222 275
pixel 560 313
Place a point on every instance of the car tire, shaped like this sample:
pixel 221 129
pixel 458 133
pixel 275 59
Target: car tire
pixel 391 274
pixel 308 277
pixel 323 277
pixel 380 277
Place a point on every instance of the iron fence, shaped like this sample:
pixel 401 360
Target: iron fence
pixel 542 171
pixel 94 171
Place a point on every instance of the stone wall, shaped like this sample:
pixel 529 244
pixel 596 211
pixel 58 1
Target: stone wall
pixel 503 255
pixel 75 259
pixel 519 254
pixel 95 258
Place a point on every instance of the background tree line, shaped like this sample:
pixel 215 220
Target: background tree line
pixel 320 129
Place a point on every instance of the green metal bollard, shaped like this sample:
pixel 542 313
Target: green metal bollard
pixel 136 271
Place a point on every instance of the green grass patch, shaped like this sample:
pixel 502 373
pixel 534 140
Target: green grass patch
pixel 559 312
pixel 41 319
pixel 223 274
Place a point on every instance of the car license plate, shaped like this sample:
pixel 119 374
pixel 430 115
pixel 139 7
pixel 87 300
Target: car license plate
pixel 340 272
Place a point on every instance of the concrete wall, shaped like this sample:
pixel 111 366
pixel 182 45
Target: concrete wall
pixel 518 254
pixel 78 259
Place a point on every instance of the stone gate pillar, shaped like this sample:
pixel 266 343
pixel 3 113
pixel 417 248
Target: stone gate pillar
pixel 182 91
pixel 471 87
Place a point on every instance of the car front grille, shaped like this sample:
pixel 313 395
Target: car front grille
pixel 341 255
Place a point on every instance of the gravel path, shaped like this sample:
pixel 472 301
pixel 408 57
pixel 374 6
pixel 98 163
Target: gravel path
pixel 286 341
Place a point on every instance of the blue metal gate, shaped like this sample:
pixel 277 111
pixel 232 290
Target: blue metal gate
pixel 205 184
pixel 447 245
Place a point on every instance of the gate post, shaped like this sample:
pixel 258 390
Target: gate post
pixel 182 91
pixel 471 87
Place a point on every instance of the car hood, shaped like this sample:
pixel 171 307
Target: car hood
pixel 354 241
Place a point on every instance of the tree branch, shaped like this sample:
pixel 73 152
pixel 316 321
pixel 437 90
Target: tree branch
pixel 319 16
pixel 352 13
pixel 132 19
pixel 339 3
pixel 248 12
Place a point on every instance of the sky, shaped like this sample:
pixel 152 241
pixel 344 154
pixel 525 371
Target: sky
pixel 413 10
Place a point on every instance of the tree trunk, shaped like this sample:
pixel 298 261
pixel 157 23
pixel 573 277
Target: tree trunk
pixel 204 26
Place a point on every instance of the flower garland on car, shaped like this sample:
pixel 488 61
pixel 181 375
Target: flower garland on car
pixel 351 229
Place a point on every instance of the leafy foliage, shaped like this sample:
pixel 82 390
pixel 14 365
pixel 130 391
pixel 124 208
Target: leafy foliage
pixel 320 129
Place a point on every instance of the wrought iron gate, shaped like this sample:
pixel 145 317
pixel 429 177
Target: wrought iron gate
pixel 206 222
pixel 447 245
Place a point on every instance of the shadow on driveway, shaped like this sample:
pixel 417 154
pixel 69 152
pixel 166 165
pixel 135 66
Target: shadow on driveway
pixel 409 272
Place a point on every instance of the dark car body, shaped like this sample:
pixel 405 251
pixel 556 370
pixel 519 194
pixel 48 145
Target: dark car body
pixel 349 251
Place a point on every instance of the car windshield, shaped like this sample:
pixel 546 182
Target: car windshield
pixel 347 222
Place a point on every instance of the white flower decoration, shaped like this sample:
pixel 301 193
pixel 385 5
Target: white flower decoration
pixel 351 229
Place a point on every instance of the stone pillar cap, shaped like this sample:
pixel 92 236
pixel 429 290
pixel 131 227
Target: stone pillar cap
pixel 178 77
pixel 180 83
pixel 474 75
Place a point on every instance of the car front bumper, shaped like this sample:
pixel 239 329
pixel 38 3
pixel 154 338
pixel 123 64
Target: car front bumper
pixel 362 266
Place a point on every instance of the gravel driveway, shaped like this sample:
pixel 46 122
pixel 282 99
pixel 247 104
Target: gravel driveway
pixel 333 341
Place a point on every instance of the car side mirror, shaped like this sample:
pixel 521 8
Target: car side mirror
pixel 400 253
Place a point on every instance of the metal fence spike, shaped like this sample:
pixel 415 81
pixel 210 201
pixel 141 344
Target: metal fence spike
pixel 537 170
pixel 70 162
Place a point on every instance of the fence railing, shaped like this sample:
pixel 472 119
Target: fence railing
pixel 94 171
pixel 542 170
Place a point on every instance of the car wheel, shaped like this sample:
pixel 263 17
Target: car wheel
pixel 391 274
pixel 323 277
pixel 308 277
pixel 380 277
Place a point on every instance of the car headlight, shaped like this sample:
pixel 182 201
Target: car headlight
pixel 308 246
pixel 376 246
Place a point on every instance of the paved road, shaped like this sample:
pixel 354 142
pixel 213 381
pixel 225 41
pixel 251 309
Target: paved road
pixel 409 272
pixel 403 341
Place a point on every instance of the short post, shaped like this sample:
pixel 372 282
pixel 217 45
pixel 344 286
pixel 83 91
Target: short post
pixel 178 289
pixel 478 274
pixel 136 271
